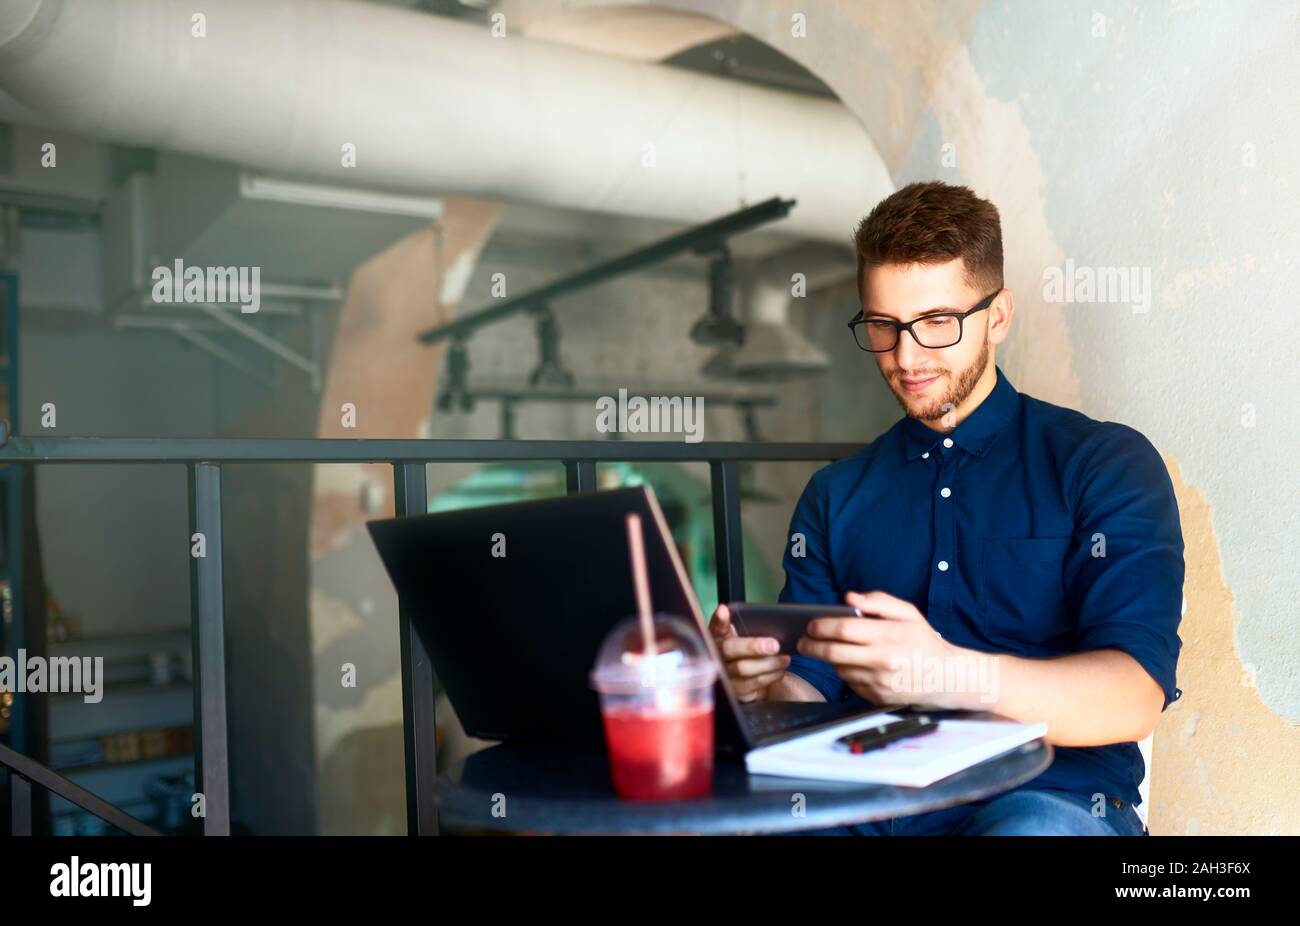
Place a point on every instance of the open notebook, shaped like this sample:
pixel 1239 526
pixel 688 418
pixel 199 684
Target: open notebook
pixel 913 762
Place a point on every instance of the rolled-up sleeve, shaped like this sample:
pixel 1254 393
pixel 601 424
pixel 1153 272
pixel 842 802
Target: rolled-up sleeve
pixel 810 580
pixel 1125 575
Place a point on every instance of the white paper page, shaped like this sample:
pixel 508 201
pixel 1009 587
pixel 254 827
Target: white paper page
pixel 915 761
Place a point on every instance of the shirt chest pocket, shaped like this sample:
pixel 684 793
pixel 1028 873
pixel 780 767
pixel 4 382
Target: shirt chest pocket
pixel 1022 590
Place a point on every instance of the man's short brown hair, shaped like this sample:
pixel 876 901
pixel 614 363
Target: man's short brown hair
pixel 933 223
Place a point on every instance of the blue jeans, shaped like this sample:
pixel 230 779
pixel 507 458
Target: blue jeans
pixel 1042 812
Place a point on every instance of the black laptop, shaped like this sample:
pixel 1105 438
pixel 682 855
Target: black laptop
pixel 512 602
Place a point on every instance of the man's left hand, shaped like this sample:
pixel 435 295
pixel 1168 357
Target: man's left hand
pixel 890 655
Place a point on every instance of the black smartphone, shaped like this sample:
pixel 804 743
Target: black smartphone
pixel 785 622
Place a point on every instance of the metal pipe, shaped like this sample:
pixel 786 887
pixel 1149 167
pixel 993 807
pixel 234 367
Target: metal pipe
pixel 207 616
pixel 691 240
pixel 728 552
pixel 419 721
pixel 376 450
pixel 580 476
pixel 498 119
pixel 20 805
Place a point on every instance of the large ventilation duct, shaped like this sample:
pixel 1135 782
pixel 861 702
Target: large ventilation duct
pixel 433 105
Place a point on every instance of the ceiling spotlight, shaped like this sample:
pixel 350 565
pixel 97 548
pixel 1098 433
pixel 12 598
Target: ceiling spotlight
pixel 719 327
pixel 454 384
pixel 549 371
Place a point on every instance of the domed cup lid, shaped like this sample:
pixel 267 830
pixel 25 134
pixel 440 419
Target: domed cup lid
pixel 680 659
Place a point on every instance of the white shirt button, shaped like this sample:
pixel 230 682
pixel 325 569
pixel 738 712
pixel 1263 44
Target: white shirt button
pixel 943 565
pixel 947 441
pixel 926 455
pixel 945 491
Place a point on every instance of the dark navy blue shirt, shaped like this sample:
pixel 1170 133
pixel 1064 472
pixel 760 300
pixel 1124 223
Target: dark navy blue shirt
pixel 1028 529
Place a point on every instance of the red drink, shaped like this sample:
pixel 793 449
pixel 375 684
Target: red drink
pixel 657 703
pixel 657 755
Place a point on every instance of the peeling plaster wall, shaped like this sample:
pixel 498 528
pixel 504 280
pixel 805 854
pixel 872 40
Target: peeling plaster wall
pixel 1173 95
pixel 1222 761
pixel 1159 137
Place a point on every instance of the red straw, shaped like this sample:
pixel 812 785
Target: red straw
pixel 640 577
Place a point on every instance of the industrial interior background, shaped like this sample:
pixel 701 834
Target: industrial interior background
pixel 518 142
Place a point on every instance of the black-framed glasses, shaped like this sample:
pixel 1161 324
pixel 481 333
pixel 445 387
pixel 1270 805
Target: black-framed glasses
pixel 942 329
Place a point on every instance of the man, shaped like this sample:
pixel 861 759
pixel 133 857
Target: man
pixel 1020 557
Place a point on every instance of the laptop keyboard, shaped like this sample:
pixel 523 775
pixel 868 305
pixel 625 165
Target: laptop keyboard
pixel 771 717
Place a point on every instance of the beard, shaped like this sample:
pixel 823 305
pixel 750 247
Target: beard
pixel 960 387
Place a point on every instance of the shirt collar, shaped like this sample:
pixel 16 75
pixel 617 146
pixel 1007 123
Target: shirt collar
pixel 977 432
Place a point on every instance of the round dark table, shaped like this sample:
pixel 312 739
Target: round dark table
pixel 524 790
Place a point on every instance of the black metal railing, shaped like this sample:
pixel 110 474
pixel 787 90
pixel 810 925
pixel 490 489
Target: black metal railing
pixel 203 458
pixel 25 772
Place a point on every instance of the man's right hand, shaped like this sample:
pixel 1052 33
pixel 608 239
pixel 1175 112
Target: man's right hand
pixel 754 664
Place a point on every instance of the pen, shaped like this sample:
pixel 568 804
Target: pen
pixel 873 737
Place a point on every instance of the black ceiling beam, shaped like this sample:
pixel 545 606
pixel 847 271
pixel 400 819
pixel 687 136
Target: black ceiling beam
pixel 699 238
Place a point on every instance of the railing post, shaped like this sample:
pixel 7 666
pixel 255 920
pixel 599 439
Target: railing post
pixel 728 552
pixel 419 726
pixel 580 476
pixel 20 805
pixel 207 615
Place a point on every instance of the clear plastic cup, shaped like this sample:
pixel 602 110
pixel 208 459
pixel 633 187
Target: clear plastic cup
pixel 658 712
